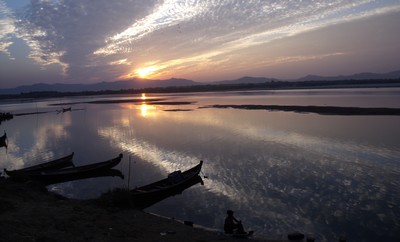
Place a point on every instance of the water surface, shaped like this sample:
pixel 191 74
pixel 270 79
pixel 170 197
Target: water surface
pixel 323 175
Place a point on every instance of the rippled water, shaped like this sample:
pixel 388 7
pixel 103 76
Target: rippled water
pixel 323 175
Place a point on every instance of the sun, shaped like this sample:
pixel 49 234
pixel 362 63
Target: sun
pixel 145 72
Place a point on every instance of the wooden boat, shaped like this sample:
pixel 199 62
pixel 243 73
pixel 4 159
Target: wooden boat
pixel 67 174
pixel 5 116
pixel 66 110
pixel 62 162
pixel 3 140
pixel 142 202
pixel 174 184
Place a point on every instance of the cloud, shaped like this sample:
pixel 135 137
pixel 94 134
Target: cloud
pixel 239 25
pixel 108 39
pixel 169 13
pixel 211 31
pixel 67 32
pixel 6 28
pixel 120 62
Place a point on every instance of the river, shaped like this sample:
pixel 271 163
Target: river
pixel 324 175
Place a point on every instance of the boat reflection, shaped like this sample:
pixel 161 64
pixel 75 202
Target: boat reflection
pixel 101 173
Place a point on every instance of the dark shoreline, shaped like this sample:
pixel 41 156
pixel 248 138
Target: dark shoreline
pixel 31 213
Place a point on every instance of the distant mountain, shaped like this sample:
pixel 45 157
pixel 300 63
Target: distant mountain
pixel 359 76
pixel 246 79
pixel 174 82
pixel 115 85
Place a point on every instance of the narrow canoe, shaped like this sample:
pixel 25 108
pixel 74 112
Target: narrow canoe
pixel 145 201
pixel 62 162
pixel 66 109
pixel 71 173
pixel 175 182
pixel 3 140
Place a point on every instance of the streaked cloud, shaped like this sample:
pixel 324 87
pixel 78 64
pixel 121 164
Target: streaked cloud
pixel 170 12
pixel 239 29
pixel 120 62
pixel 6 28
pixel 228 32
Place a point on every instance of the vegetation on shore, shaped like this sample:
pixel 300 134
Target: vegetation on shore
pixel 270 85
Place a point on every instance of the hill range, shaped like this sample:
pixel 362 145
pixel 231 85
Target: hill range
pixel 175 82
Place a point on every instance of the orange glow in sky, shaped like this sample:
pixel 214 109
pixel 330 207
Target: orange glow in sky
pixel 145 72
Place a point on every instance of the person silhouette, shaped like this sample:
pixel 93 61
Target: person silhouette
pixel 233 225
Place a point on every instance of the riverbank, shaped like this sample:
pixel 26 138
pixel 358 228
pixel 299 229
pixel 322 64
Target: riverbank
pixel 29 212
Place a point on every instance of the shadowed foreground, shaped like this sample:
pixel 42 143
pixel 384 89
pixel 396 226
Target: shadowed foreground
pixel 29 212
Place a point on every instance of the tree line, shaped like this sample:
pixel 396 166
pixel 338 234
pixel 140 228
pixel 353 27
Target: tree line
pixel 269 85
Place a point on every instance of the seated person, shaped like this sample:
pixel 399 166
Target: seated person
pixel 233 226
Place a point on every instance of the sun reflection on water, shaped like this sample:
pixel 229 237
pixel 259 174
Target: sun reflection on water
pixel 143 109
pixel 169 160
pixel 147 110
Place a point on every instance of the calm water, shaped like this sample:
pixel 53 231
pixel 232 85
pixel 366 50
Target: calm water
pixel 328 176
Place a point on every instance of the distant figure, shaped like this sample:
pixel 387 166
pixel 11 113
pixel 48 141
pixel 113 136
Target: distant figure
pixel 234 226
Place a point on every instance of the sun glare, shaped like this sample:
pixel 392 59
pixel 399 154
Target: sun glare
pixel 143 110
pixel 145 72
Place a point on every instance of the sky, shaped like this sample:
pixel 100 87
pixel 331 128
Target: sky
pixel 88 41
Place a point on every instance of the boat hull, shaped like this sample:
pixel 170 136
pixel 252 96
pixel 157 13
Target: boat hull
pixel 62 162
pixel 70 174
pixel 143 201
pixel 150 194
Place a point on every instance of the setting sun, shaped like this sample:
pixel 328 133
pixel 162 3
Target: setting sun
pixel 145 72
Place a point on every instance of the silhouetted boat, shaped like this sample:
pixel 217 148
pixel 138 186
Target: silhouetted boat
pixel 67 174
pixel 62 162
pixel 5 117
pixel 142 202
pixel 3 140
pixel 174 184
pixel 66 109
